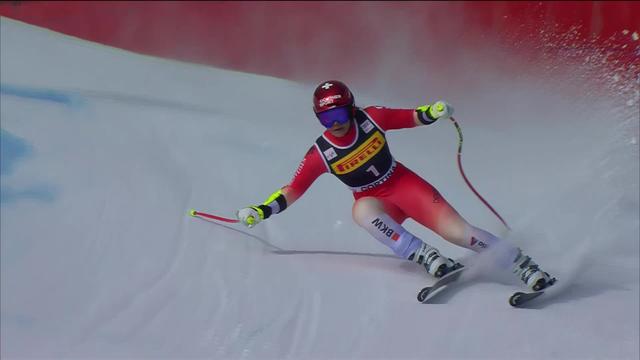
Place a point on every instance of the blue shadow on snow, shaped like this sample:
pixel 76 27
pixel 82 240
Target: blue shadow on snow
pixel 55 96
pixel 14 150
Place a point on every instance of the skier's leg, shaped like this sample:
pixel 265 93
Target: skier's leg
pixel 382 220
pixel 369 213
pixel 507 256
pixel 423 203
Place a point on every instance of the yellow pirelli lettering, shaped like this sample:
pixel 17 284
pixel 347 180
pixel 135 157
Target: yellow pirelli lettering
pixel 360 155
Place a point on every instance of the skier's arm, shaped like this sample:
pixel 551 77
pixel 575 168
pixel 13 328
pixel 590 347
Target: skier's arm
pixel 392 119
pixel 310 168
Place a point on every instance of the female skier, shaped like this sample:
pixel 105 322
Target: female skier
pixel 355 150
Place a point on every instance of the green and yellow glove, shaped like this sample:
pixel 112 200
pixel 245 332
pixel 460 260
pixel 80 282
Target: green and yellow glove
pixel 428 114
pixel 251 216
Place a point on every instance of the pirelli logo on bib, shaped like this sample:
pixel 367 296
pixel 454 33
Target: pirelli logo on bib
pixel 359 156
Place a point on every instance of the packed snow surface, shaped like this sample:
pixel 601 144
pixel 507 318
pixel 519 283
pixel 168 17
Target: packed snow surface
pixel 105 151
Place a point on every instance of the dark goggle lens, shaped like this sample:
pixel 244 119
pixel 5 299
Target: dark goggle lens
pixel 340 115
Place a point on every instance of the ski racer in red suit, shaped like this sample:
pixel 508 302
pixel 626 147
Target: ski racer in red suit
pixel 354 149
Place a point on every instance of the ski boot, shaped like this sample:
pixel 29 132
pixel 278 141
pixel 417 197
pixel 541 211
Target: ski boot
pixel 435 264
pixel 530 273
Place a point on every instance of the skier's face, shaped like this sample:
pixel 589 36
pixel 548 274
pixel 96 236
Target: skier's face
pixel 340 130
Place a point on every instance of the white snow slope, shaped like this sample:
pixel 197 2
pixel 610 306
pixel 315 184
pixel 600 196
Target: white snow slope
pixel 105 151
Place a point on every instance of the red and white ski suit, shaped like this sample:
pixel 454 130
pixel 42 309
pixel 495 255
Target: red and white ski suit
pixel 402 193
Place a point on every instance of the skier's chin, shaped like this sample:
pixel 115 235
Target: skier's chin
pixel 340 130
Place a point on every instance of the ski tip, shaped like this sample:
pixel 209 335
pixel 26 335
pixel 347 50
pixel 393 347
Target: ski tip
pixel 423 294
pixel 520 298
pixel 514 300
pixel 192 212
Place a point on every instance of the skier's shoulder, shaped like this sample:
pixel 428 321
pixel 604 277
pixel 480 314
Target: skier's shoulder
pixel 312 151
pixel 380 113
pixel 385 117
pixel 313 155
pixel 374 109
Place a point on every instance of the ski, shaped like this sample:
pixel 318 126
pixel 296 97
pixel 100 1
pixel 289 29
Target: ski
pixel 428 292
pixel 520 298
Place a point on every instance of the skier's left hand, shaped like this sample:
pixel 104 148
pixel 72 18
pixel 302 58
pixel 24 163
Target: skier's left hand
pixel 249 216
pixel 440 110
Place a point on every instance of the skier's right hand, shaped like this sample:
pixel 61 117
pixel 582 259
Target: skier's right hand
pixel 249 216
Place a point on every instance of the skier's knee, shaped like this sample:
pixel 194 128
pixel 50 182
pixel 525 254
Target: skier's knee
pixel 456 230
pixel 366 208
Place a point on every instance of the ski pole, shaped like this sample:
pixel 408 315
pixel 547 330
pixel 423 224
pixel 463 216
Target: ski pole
pixel 195 213
pixel 457 126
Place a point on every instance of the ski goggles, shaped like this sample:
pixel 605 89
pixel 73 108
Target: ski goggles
pixel 340 115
